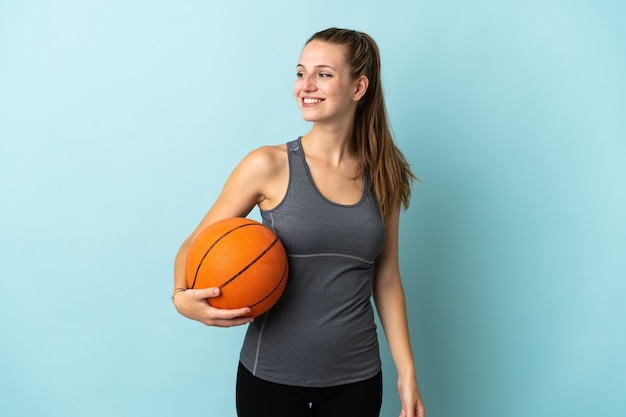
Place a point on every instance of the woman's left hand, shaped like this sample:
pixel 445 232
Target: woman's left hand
pixel 411 398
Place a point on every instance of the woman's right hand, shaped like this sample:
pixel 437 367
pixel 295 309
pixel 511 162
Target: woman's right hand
pixel 194 304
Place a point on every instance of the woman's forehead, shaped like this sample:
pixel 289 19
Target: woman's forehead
pixel 322 54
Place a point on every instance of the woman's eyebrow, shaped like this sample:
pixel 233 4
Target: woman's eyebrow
pixel 317 66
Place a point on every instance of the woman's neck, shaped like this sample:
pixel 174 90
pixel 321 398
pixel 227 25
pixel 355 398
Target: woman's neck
pixel 330 144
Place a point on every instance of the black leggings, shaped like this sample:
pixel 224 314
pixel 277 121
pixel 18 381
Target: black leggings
pixel 260 398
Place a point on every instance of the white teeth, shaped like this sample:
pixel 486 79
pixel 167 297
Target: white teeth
pixel 312 100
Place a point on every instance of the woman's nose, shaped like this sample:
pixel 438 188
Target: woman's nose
pixel 308 83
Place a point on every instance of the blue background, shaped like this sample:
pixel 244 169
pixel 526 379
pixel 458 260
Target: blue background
pixel 120 120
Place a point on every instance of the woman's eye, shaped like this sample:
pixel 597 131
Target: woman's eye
pixel 325 75
pixel 299 75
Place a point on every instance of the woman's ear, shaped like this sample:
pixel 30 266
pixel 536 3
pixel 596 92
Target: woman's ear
pixel 360 87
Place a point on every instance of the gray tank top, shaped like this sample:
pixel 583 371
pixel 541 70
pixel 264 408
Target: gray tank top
pixel 322 330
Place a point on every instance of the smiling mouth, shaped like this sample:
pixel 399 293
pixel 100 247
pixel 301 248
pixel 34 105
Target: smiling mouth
pixel 312 100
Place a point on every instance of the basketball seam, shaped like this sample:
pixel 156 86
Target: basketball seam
pixel 195 277
pixel 250 264
pixel 273 289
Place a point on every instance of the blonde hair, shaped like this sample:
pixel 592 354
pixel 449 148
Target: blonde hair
pixel 390 173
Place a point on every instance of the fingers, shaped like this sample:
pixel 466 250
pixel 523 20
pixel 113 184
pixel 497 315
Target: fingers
pixel 224 314
pixel 228 318
pixel 224 317
pixel 417 410
pixel 421 411
pixel 230 322
pixel 205 293
pixel 194 304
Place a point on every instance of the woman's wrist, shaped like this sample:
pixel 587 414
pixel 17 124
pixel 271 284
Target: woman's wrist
pixel 176 291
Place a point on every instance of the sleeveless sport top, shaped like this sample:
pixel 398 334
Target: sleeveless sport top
pixel 322 330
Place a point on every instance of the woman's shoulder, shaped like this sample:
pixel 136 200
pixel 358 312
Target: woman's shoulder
pixel 266 160
pixel 269 151
pixel 267 171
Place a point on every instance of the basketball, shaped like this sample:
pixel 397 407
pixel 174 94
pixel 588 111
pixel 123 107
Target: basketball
pixel 243 258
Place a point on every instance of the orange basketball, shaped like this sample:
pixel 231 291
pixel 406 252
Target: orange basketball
pixel 242 257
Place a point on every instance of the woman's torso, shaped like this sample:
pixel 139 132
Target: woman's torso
pixel 322 330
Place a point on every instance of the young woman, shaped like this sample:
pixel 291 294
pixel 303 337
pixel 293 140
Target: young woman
pixel 333 196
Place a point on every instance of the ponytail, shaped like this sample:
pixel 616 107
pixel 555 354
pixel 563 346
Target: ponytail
pixel 389 171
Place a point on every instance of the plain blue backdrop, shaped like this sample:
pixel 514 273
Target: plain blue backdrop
pixel 120 121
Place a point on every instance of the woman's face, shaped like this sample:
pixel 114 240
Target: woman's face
pixel 324 87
